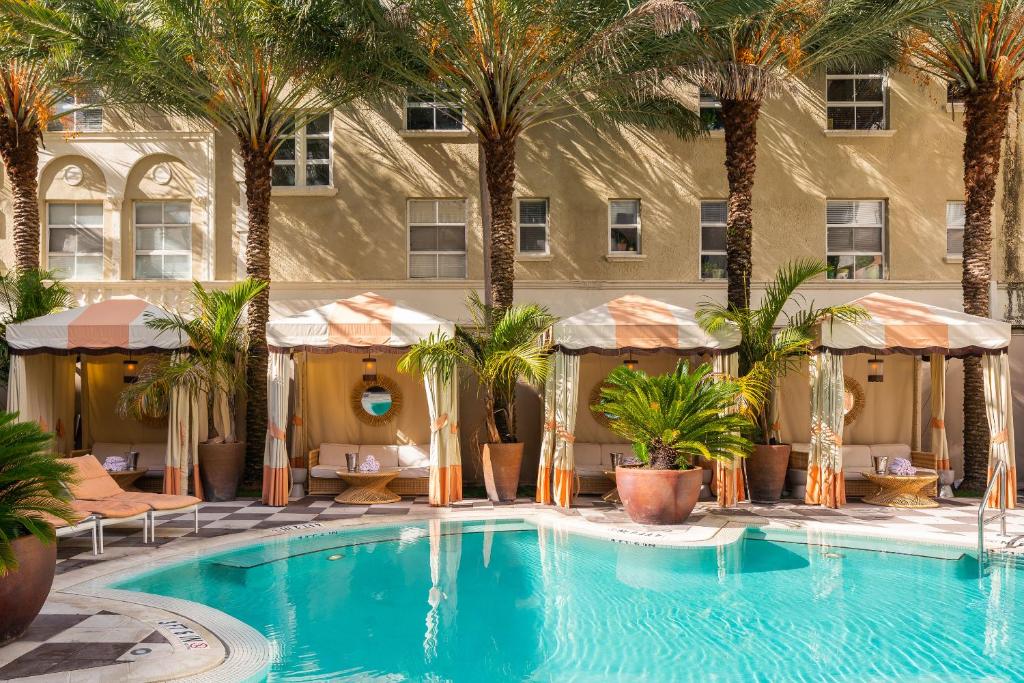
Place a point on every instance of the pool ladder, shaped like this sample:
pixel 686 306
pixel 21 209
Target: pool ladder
pixel 999 477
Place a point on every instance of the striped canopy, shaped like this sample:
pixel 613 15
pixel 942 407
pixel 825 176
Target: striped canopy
pixel 900 326
pixel 365 322
pixel 638 324
pixel 116 325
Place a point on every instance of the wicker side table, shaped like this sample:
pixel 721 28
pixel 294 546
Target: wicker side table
pixel 613 495
pixel 126 478
pixel 901 491
pixel 367 488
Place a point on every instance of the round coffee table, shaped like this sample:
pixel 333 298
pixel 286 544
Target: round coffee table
pixel 367 488
pixel 901 491
pixel 125 479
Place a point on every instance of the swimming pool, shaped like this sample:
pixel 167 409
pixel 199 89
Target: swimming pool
pixel 508 600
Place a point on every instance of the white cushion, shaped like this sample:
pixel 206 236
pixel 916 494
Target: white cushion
pixel 334 453
pixel 855 470
pixel 414 473
pixel 802 447
pixel 104 449
pixel 152 457
pixel 591 470
pixel 586 454
pixel 324 471
pixel 608 448
pixel 387 456
pixel 414 456
pixel 891 450
pixel 856 456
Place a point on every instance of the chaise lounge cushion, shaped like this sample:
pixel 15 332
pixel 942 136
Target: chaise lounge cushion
pixel 160 501
pixel 92 481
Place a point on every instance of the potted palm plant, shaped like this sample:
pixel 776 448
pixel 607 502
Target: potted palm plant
pixel 671 420
pixel 214 367
pixel 775 337
pixel 500 348
pixel 32 486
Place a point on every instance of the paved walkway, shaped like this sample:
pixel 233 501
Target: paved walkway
pixel 86 638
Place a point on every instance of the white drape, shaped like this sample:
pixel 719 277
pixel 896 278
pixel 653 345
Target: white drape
pixel 567 372
pixel 41 388
pixel 730 483
pixel 298 436
pixel 547 445
pixel 445 455
pixel 999 410
pixel 186 427
pixel 276 471
pixel 940 446
pixel 825 483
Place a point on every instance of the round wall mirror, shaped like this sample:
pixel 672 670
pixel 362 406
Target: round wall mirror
pixel 853 400
pixel 376 401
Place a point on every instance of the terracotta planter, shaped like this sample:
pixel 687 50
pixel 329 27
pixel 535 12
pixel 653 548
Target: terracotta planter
pixel 220 469
pixel 505 461
pixel 658 496
pixel 766 472
pixel 23 592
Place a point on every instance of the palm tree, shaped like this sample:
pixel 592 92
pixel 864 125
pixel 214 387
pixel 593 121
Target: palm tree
pixel 978 50
pixel 745 52
pixel 511 65
pixel 27 294
pixel 227 63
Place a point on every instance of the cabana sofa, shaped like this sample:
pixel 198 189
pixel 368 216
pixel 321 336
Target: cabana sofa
pixel 412 480
pixel 857 461
pixel 152 458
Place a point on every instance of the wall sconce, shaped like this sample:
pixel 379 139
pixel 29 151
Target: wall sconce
pixel 631 363
pixel 369 369
pixel 875 369
pixel 131 370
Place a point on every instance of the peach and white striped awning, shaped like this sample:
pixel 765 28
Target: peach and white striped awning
pixel 112 326
pixel 898 325
pixel 640 325
pixel 365 322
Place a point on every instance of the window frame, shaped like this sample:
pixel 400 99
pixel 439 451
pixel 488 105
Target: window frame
pixel 884 239
pixel 853 75
pixel 961 227
pixel 409 225
pixel 299 162
pixel 707 101
pixel 163 225
pixel 701 251
pixel 546 225
pixel 77 227
pixel 638 225
pixel 75 106
pixel 435 105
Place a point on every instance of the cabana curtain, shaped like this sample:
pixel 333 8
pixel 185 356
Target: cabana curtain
pixel 276 473
pixel 567 373
pixel 730 483
pixel 825 483
pixel 940 446
pixel 186 427
pixel 445 454
pixel 998 407
pixel 547 445
pixel 298 435
pixel 41 388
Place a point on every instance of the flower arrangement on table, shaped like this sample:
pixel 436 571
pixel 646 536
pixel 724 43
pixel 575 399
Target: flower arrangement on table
pixel 369 465
pixel 902 467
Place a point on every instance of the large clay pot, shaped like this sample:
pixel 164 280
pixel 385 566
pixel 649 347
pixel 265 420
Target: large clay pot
pixel 504 461
pixel 766 472
pixel 658 496
pixel 220 469
pixel 23 592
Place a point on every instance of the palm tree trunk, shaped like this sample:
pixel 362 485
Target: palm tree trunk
pixel 257 167
pixel 985 115
pixel 500 160
pixel 740 120
pixel 20 152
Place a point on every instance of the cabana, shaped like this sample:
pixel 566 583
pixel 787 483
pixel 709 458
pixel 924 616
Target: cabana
pixel 576 445
pixel 109 339
pixel 345 399
pixel 898 327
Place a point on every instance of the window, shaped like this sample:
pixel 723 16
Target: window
pixel 163 240
pixel 304 158
pixel 437 238
pixel 956 218
pixel 624 226
pixel 710 111
pixel 425 112
pixel 856 101
pixel 856 240
pixel 955 93
pixel 713 217
pixel 533 226
pixel 75 240
pixel 72 114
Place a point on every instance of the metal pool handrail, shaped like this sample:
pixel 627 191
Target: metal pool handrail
pixel 998 477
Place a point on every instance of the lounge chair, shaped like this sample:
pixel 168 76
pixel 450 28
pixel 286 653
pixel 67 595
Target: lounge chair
pixel 84 521
pixel 97 492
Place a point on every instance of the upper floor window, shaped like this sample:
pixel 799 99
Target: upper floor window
pixel 710 111
pixel 437 238
pixel 856 101
pixel 955 93
pixel 425 112
pixel 856 239
pixel 73 114
pixel 163 240
pixel 956 219
pixel 624 226
pixel 304 157
pixel 713 216
pixel 75 240
pixel 533 226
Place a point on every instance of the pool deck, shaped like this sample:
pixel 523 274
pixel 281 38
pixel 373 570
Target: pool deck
pixel 87 632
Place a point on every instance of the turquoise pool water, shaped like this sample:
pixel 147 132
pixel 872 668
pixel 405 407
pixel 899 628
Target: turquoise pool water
pixel 508 601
